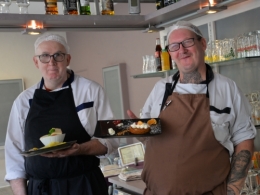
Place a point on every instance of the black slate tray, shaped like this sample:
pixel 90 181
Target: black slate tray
pixel 102 127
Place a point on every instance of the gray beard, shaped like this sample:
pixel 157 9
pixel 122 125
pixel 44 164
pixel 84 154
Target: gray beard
pixel 193 77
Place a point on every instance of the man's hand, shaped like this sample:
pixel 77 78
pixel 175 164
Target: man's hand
pixel 131 114
pixel 92 147
pixel 74 150
pixel 240 164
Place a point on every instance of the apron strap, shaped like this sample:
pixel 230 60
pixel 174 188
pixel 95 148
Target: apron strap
pixel 44 187
pixel 66 83
pixel 166 94
pixel 169 87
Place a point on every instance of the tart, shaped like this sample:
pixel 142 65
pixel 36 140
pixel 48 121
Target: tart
pixel 139 128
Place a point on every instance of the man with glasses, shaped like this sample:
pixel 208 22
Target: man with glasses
pixel 205 122
pixel 62 100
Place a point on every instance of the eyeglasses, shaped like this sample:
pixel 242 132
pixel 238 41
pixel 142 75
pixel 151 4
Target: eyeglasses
pixel 46 58
pixel 176 46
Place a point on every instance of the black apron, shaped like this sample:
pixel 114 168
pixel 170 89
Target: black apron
pixel 74 175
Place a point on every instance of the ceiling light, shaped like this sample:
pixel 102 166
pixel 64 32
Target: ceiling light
pixel 211 10
pixel 34 27
pixel 152 29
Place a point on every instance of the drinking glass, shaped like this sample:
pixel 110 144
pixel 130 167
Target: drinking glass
pixel 232 48
pixel 253 181
pixel 23 6
pixel 216 51
pixel 149 67
pixel 246 41
pixel 152 64
pixel 258 43
pixel 225 49
pixel 254 42
pixel 208 53
pixel 256 113
pixel 240 46
pixel 144 64
pixel 4 6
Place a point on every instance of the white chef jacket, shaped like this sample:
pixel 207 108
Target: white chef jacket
pixel 229 129
pixel 84 90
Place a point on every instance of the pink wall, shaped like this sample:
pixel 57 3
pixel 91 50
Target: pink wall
pixel 91 51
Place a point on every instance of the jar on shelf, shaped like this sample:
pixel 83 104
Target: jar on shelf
pixel 254 43
pixel 106 7
pixel 240 47
pixel 208 53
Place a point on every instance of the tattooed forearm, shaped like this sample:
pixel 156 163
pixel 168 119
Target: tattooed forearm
pixel 239 168
pixel 192 77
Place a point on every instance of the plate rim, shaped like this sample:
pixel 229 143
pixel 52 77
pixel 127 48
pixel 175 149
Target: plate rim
pixel 46 150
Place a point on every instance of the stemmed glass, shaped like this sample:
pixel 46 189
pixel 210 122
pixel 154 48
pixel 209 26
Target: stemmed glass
pixel 23 6
pixel 4 6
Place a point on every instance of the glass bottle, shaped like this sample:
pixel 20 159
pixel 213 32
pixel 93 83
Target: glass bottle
pixel 107 7
pixel 51 7
pixel 71 7
pixel 165 3
pixel 144 64
pixel 157 55
pixel 23 6
pixel 65 11
pixel 85 7
pixel 165 60
pixel 4 6
pixel 159 4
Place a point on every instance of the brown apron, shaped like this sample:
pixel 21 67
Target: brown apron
pixel 186 158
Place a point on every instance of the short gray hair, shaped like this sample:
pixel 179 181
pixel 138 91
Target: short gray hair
pixel 51 37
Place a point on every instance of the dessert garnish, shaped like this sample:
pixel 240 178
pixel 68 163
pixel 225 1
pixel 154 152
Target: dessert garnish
pixel 54 131
pixel 111 131
pixel 139 128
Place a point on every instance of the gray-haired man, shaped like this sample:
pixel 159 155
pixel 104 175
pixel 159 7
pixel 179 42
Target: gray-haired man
pixel 207 121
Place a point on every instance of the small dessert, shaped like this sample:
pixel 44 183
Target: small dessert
pixel 152 122
pixel 53 138
pixel 116 122
pixel 123 132
pixel 139 128
pixel 111 131
pixel 33 149
pixel 120 125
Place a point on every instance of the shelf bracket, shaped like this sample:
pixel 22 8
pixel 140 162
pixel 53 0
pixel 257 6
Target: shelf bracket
pixel 211 31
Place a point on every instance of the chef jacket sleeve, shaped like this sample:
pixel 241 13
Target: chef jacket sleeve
pixel 104 112
pixel 152 106
pixel 14 144
pixel 243 128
